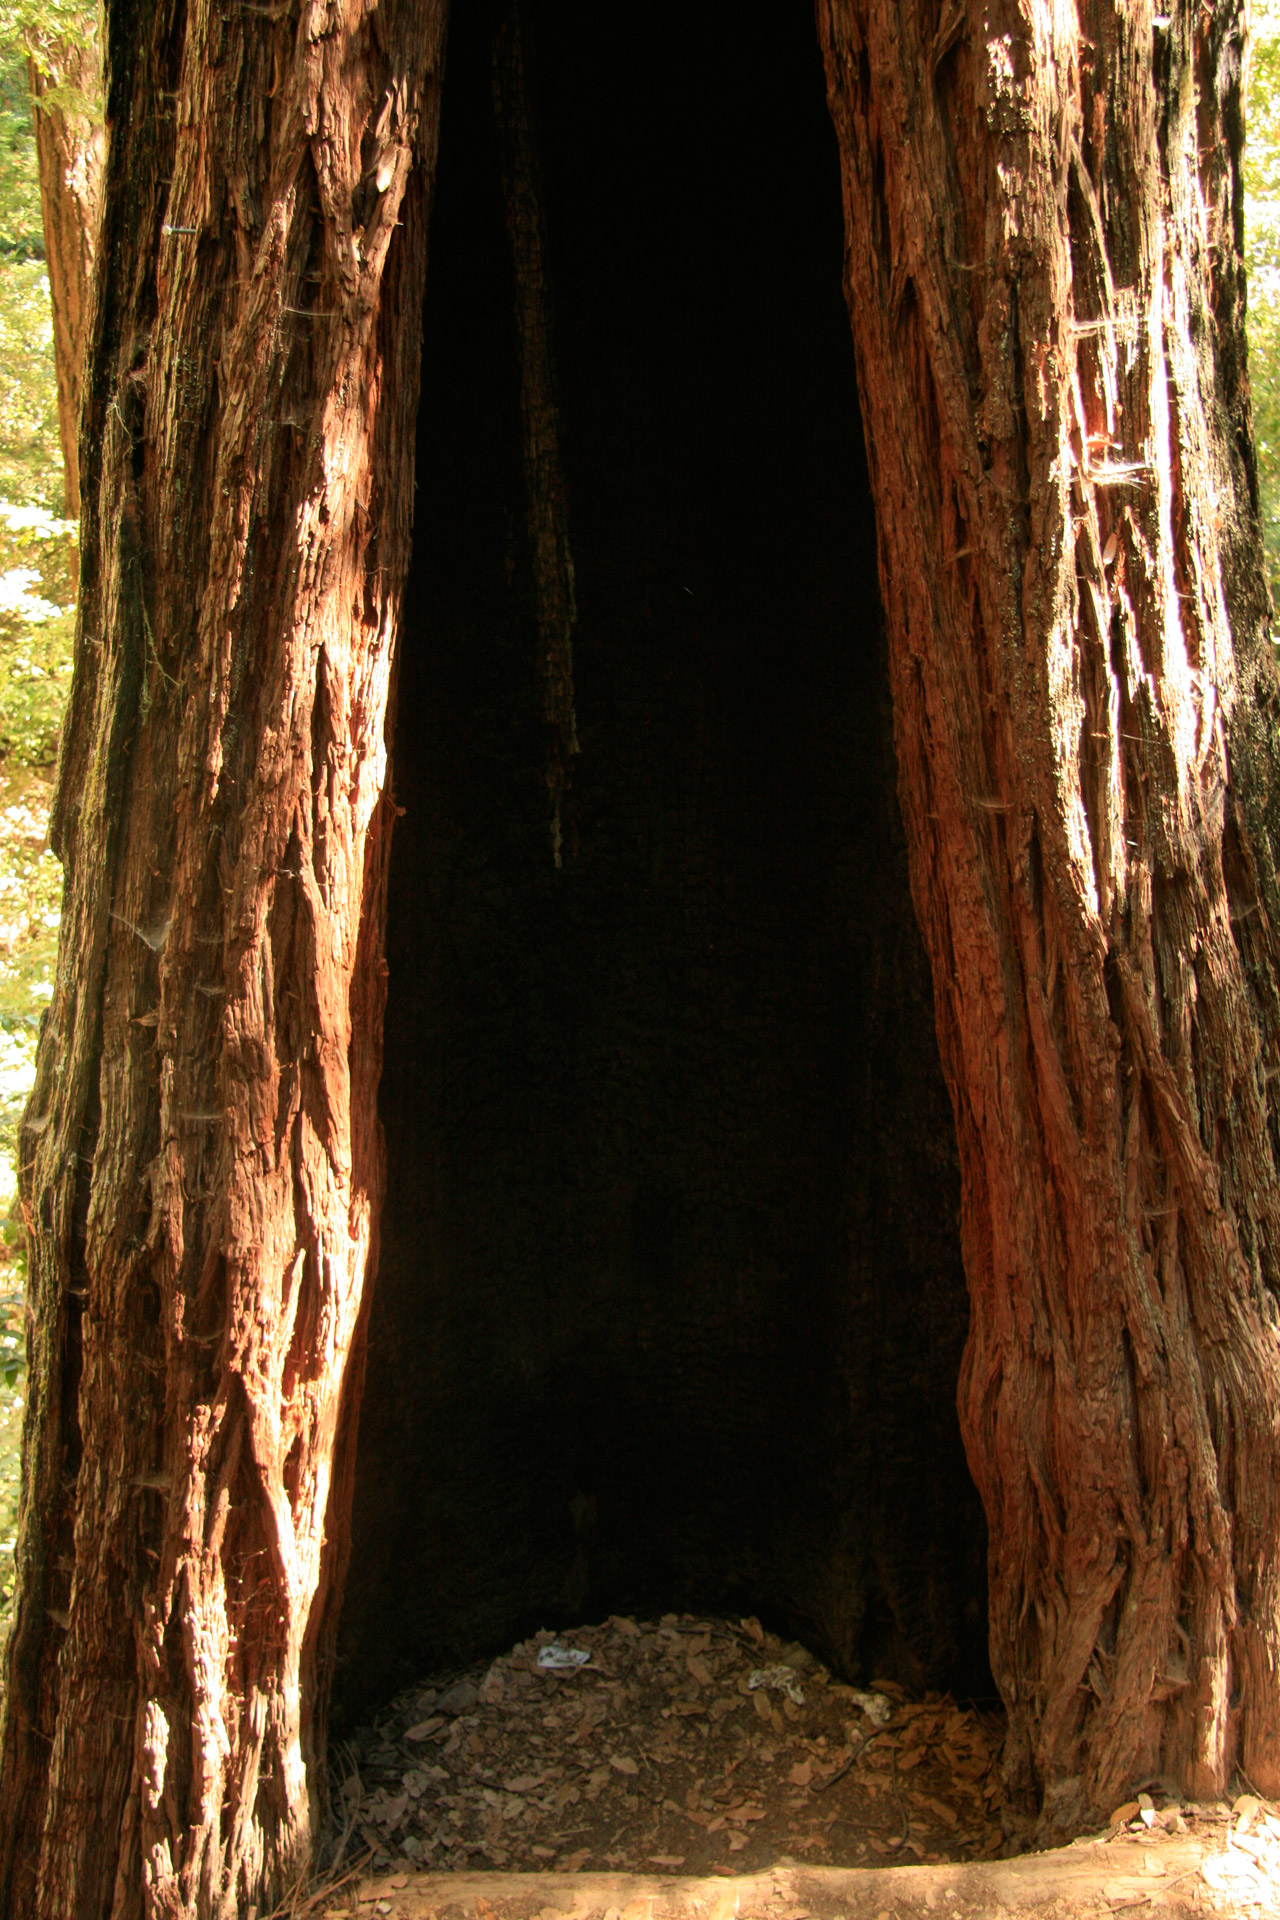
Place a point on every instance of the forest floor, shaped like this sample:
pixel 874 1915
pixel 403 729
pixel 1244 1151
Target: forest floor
pixel 1204 1874
pixel 700 1769
pixel 688 1743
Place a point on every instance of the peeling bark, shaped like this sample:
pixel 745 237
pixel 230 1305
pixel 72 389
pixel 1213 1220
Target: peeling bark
pixel 66 80
pixel 1044 237
pixel 201 1160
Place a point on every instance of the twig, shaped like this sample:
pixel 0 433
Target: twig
pixel 901 1841
pixel 289 1909
pixel 850 1763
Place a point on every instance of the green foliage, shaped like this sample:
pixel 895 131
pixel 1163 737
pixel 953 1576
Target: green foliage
pixel 1262 260
pixel 37 27
pixel 37 595
pixel 30 466
pixel 21 230
pixel 38 567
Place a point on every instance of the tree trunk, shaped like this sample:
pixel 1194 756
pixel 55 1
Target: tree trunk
pixel 1044 236
pixel 66 80
pixel 201 1161
pixel 1043 230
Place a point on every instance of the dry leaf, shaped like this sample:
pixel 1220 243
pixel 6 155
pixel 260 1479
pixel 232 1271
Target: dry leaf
pixel 425 1728
pixel 698 1670
pixel 665 1860
pixel 801 1774
pixel 623 1763
pixel 943 1811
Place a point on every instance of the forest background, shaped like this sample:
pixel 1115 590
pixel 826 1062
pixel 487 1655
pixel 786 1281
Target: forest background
pixel 39 567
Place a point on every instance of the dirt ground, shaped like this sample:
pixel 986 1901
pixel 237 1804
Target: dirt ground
pixel 700 1769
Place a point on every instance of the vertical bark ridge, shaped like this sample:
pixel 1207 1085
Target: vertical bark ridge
pixel 1043 237
pixel 201 1156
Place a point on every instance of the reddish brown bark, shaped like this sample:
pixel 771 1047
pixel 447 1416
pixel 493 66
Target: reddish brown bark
pixel 1044 277
pixel 66 81
pixel 201 1162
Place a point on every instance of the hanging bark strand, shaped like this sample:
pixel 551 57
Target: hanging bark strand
pixel 201 1162
pixel 66 81
pixel 539 411
pixel 1043 270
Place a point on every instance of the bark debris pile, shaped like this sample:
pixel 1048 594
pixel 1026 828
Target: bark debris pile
pixel 682 1746
pixel 1246 1872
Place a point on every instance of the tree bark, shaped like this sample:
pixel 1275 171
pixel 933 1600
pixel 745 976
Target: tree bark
pixel 201 1160
pixel 1044 239
pixel 66 81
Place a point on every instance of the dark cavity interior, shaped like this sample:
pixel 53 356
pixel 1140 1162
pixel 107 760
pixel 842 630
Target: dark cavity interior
pixel 670 1306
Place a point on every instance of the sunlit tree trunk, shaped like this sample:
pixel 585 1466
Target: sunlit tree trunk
pixel 1044 238
pixel 66 85
pixel 200 1160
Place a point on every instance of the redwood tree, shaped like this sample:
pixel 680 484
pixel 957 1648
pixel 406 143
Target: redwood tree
pixel 66 80
pixel 200 1158
pixel 1044 223
pixel 1044 234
